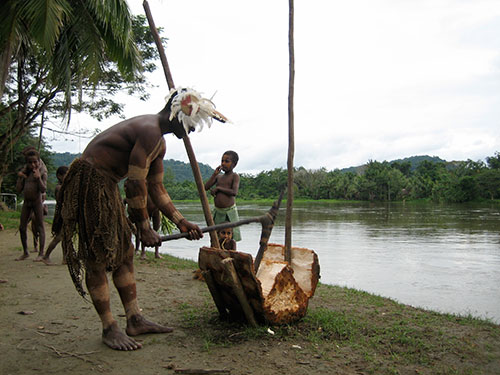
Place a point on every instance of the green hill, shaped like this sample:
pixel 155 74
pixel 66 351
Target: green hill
pixel 181 171
pixel 413 160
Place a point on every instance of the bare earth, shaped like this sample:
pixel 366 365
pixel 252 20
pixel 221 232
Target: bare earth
pixel 47 328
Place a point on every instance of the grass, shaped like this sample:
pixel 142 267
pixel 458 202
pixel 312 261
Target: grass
pixel 387 337
pixel 168 261
pixel 10 219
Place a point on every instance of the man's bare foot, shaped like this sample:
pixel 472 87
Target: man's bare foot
pixel 143 256
pixel 35 250
pixel 23 257
pixel 38 259
pixel 158 256
pixel 137 324
pixel 47 261
pixel 116 339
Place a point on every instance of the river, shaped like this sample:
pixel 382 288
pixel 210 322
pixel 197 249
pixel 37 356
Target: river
pixel 440 257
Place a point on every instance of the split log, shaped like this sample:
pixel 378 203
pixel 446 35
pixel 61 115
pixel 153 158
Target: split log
pixel 278 293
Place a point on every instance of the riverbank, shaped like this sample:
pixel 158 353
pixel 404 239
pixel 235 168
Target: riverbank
pixel 47 328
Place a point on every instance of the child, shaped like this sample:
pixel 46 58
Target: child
pixel 32 182
pixel 225 191
pixel 226 239
pixel 60 173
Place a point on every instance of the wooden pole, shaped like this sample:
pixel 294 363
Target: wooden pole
pixel 214 242
pixel 239 292
pixel 291 142
pixel 214 291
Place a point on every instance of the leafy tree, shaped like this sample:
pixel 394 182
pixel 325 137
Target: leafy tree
pixel 494 161
pixel 33 94
pixel 489 183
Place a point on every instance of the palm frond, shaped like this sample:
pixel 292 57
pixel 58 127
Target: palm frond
pixel 45 19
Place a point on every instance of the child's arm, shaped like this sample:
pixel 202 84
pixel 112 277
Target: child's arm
pixel 213 179
pixel 233 190
pixel 42 180
pixel 22 175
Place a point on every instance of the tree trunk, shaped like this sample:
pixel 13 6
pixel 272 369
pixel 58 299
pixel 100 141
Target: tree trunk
pixel 291 140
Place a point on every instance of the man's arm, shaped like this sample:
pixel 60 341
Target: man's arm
pixel 163 201
pixel 136 190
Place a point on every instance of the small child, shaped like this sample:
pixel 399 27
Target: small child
pixel 32 182
pixel 226 239
pixel 225 191
pixel 60 173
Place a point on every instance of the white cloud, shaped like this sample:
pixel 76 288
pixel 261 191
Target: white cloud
pixel 375 80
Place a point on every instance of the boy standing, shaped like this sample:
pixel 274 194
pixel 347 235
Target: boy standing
pixel 32 182
pixel 225 191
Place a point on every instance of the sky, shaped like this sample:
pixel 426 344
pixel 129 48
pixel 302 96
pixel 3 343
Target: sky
pixel 374 80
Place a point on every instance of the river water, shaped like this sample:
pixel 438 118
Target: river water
pixel 440 257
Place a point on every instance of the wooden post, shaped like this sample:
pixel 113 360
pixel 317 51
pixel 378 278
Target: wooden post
pixel 214 242
pixel 238 290
pixel 291 142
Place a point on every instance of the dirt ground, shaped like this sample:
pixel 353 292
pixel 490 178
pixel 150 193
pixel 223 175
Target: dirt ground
pixel 47 328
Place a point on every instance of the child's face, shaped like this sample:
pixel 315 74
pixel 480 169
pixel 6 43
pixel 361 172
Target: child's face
pixel 226 163
pixel 60 176
pixel 33 163
pixel 226 234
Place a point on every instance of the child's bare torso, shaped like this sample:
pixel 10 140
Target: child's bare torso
pixel 31 191
pixel 223 200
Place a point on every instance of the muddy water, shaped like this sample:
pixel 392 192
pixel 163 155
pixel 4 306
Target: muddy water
pixel 441 257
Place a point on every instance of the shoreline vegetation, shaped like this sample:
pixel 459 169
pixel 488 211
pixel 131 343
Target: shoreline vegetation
pixel 47 327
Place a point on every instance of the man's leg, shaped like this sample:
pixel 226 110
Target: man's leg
pixel 98 287
pixel 124 280
pixel 23 227
pixel 53 243
pixel 35 233
pixel 40 227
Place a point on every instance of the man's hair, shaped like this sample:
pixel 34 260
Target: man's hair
pixel 234 156
pixel 62 170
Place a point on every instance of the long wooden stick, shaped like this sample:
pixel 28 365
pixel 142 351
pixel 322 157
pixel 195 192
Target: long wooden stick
pixel 291 141
pixel 187 142
pixel 239 291
pixel 267 221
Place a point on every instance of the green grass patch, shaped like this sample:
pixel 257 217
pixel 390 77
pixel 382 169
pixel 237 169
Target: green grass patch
pixel 168 261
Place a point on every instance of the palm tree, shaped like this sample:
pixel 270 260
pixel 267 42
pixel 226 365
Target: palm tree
pixel 53 46
pixel 76 32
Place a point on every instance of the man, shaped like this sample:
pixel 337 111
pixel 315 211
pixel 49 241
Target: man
pixel 92 207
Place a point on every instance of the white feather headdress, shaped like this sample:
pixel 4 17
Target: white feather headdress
pixel 192 111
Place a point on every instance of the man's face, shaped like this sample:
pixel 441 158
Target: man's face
pixel 177 128
pixel 33 163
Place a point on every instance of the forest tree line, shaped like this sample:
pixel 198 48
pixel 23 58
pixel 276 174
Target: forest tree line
pixel 453 182
pixel 417 177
